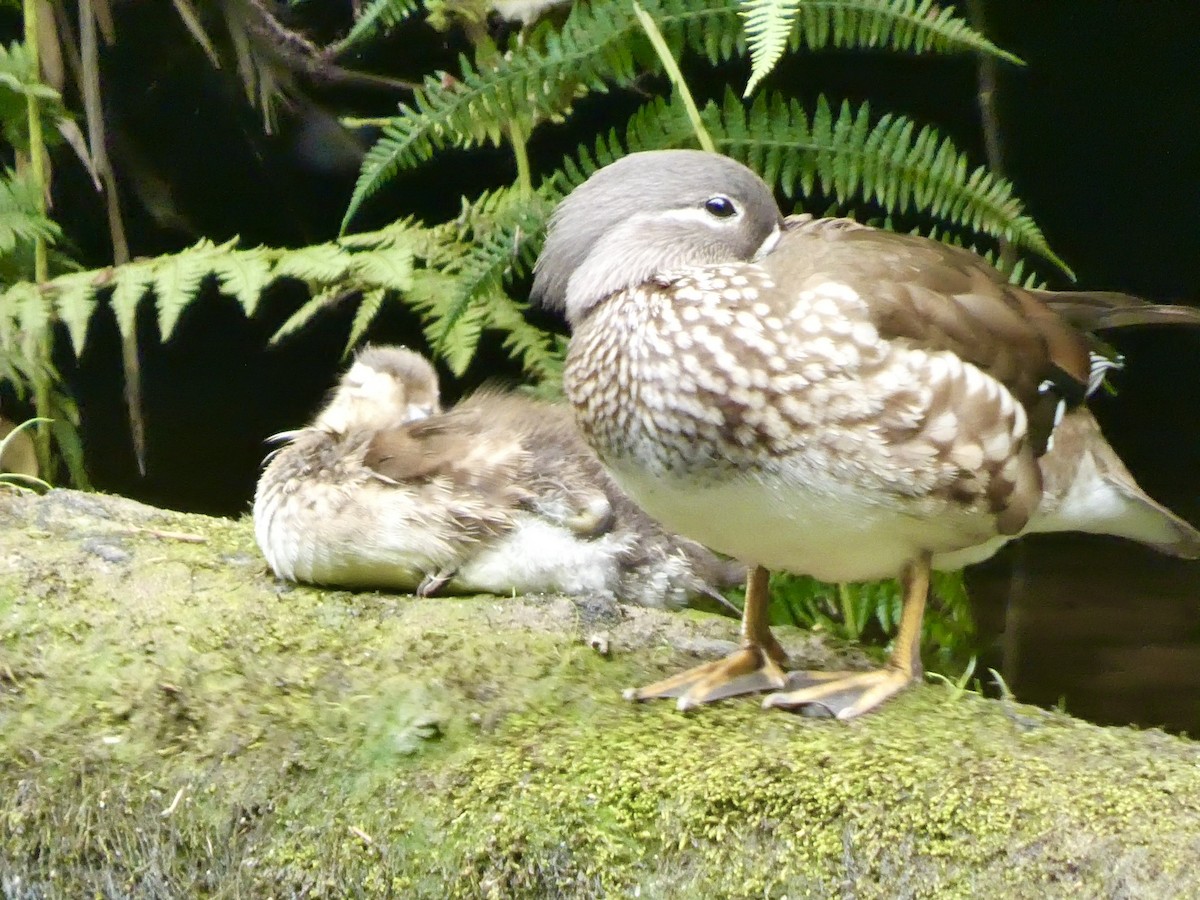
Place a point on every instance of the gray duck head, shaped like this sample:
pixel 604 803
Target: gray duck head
pixel 648 213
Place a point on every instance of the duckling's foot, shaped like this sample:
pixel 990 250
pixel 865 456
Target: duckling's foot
pixel 434 582
pixel 755 667
pixel 842 695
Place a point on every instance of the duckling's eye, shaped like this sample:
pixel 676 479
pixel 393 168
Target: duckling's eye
pixel 721 207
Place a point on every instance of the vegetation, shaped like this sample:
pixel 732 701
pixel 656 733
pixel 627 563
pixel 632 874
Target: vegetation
pixel 466 277
pixel 18 462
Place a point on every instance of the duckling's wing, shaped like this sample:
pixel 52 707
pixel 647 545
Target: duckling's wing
pixel 452 458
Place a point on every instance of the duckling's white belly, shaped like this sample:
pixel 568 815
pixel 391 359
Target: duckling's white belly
pixel 541 557
pixel 831 534
pixel 333 534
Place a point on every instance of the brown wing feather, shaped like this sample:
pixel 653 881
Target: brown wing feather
pixel 1098 310
pixel 456 447
pixel 946 298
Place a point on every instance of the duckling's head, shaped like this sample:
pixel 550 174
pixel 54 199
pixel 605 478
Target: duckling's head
pixel 385 387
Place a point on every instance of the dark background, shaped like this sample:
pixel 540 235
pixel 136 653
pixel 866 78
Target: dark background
pixel 1101 133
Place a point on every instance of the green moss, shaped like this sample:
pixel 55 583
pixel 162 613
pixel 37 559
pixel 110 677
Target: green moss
pixel 175 723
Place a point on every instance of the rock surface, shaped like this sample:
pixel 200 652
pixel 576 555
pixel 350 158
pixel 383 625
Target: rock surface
pixel 176 723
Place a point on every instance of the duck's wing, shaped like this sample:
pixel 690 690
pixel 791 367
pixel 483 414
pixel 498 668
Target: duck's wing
pixel 937 297
pixel 1087 488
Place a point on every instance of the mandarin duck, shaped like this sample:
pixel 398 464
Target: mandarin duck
pixel 820 397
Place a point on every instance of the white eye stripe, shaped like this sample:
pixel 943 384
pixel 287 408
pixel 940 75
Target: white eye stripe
pixel 695 214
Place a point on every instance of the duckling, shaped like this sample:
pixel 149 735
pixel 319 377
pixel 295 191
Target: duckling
pixel 499 494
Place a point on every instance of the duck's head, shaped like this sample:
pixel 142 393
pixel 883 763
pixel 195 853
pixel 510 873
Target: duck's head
pixel 386 386
pixel 649 213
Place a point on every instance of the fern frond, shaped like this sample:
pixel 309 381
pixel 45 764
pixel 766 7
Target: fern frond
pixel 906 26
pixel 600 45
pixel 389 268
pixel 65 429
pixel 498 232
pixel 34 319
pixel 457 342
pixel 902 167
pixel 74 303
pixel 177 280
pixel 16 308
pixel 243 275
pixel 368 309
pixel 768 27
pixel 318 302
pixel 320 262
pixel 540 353
pixel 375 19
pixel 20 217
pixel 131 283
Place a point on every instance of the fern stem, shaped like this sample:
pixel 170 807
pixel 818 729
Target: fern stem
pixel 987 77
pixel 516 137
pixel 849 615
pixel 41 265
pixel 672 69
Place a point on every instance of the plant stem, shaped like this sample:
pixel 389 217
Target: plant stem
pixel 676 76
pixel 41 266
pixel 516 137
pixel 986 74
pixel 849 616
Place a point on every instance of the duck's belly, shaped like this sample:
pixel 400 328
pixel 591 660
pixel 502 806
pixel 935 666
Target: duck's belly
pixel 831 535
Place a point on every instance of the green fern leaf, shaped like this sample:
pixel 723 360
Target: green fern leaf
pixel 12 302
pixel 243 274
pixel 177 280
pixel 65 428
pixel 132 283
pixel 8 324
pixel 315 304
pixel 319 263
pixel 540 353
pixel 33 318
pixel 375 19
pixel 20 218
pixel 368 309
pixel 389 268
pixel 502 228
pixel 75 301
pixel 768 27
pixel 906 26
pixel 457 343
pixel 903 168
pixel 600 45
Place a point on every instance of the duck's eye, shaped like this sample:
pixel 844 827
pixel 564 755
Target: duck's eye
pixel 721 207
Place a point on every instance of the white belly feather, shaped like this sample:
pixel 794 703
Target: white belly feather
pixel 832 535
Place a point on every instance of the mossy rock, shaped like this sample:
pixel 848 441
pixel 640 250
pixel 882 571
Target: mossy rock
pixel 176 723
